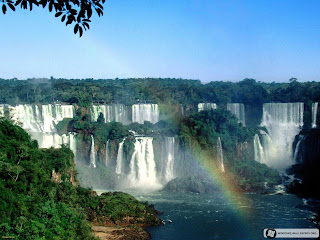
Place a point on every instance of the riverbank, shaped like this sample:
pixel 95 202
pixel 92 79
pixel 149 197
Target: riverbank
pixel 123 217
pixel 120 233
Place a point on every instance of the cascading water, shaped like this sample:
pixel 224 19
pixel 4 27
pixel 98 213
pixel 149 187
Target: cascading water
pixel 63 111
pixel 73 145
pixel 44 120
pixel 206 106
pixel 48 120
pixel 143 172
pixel 258 149
pixel 169 159
pixel 111 112
pixel 181 109
pixel 107 159
pixel 41 123
pixel 1 111
pixel 119 167
pixel 48 140
pixel 282 121
pixel 297 152
pixel 238 110
pixel 314 114
pixel 29 116
pixel 220 154
pixel 92 154
pixel 145 112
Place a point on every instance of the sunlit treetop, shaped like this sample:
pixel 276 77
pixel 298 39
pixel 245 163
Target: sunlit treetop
pixel 74 12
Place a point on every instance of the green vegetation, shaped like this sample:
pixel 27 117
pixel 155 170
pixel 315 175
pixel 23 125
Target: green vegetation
pixel 199 133
pixel 170 94
pixel 35 206
pixel 207 126
pixel 168 91
pixel 252 176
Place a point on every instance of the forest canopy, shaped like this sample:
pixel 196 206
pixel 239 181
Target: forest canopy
pixel 154 90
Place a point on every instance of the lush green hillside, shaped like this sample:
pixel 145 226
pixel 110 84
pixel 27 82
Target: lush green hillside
pixel 199 133
pixel 39 203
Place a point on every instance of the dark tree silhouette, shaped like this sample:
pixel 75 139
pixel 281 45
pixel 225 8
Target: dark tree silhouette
pixel 77 12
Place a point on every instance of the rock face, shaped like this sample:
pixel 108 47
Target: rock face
pixel 191 184
pixel 57 177
pixel 307 151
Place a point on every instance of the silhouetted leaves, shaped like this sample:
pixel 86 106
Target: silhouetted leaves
pixel 4 9
pixel 76 27
pixel 58 14
pixel 77 12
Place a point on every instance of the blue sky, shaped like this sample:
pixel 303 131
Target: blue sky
pixel 195 39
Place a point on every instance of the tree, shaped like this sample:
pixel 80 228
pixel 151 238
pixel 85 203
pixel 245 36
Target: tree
pixel 77 12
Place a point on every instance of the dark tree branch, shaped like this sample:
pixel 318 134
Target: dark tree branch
pixel 76 12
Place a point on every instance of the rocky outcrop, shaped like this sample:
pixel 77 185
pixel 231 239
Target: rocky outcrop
pixel 308 166
pixel 57 177
pixel 190 184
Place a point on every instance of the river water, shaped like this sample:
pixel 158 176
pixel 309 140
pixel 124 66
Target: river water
pixel 213 216
pixel 217 217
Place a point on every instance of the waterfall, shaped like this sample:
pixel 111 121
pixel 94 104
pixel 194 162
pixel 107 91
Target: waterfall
pixel 63 111
pixel 107 159
pixel 145 112
pixel 92 154
pixel 1 110
pixel 314 114
pixel 206 106
pixel 48 120
pixel 48 140
pixel 143 172
pixel 111 112
pixel 96 110
pixel 181 109
pixel 238 110
pixel 220 154
pixel 297 152
pixel 44 119
pixel 120 158
pixel 169 160
pixel 41 121
pixel 258 149
pixel 73 145
pixel 29 116
pixel 283 121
